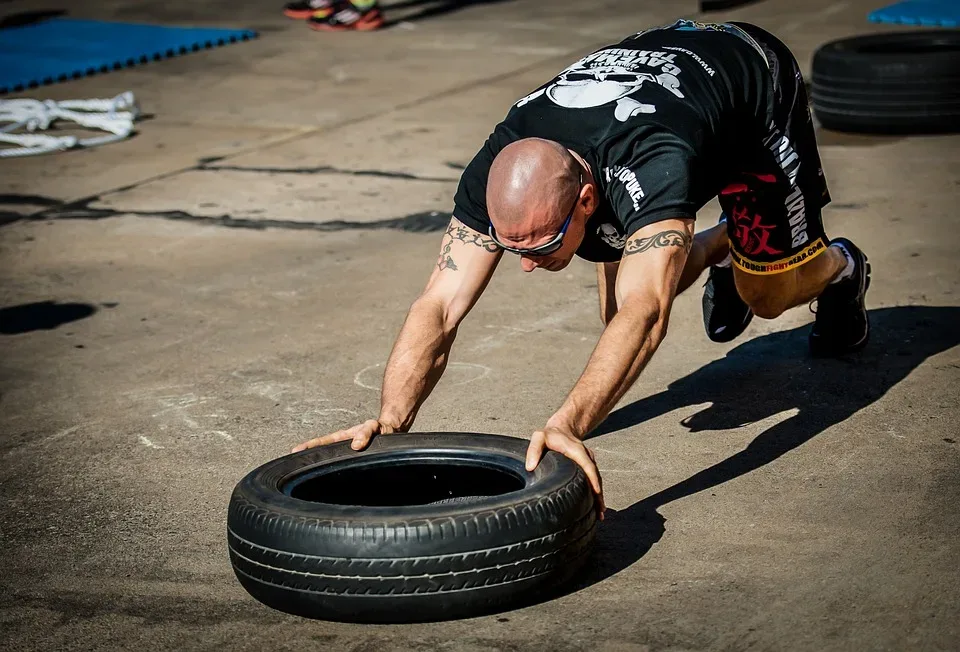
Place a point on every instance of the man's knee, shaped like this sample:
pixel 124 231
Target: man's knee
pixel 768 296
pixel 767 307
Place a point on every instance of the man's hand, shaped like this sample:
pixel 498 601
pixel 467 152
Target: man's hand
pixel 361 434
pixel 569 445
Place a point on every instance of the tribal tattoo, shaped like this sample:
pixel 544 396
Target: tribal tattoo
pixel 672 238
pixel 465 235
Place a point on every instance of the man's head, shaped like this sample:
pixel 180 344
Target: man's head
pixel 539 197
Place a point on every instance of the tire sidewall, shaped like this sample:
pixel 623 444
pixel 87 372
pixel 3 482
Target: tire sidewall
pixel 393 531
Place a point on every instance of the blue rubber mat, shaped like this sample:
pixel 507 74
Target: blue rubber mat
pixel 62 48
pixel 932 13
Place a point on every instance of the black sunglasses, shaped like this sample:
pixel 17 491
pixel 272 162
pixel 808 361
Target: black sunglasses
pixel 549 247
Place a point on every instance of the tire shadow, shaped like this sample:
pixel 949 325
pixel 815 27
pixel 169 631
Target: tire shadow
pixel 756 380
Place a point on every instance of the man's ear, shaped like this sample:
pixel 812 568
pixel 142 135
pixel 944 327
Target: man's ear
pixel 589 199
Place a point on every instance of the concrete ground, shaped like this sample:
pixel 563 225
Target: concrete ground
pixel 197 299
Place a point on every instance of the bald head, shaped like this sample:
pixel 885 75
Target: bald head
pixel 532 184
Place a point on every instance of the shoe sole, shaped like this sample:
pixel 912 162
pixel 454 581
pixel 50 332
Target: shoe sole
pixel 356 27
pixel 730 334
pixel 862 342
pixel 727 334
pixel 299 15
pixel 866 315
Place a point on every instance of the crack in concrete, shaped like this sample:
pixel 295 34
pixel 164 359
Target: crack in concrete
pixel 30 200
pixel 424 222
pixel 325 169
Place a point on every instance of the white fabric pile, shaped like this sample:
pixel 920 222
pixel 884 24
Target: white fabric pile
pixel 20 119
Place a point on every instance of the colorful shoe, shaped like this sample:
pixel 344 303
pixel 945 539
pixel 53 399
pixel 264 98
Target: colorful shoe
pixel 842 324
pixel 348 17
pixel 303 9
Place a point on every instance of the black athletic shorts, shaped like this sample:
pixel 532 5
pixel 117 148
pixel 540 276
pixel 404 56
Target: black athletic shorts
pixel 773 204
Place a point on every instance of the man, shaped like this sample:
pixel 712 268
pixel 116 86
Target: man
pixel 611 161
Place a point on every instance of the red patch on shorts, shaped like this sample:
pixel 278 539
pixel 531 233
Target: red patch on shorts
pixel 734 189
pixel 754 236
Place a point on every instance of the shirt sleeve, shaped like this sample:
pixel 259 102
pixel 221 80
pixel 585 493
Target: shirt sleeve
pixel 470 200
pixel 653 183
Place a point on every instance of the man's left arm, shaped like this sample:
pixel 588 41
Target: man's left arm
pixel 650 270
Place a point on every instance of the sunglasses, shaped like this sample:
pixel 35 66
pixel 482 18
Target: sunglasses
pixel 620 78
pixel 549 247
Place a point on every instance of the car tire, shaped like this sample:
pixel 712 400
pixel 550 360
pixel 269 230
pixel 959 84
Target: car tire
pixel 324 533
pixel 893 83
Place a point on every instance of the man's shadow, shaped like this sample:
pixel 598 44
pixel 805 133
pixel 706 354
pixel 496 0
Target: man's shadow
pixel 758 379
pixel 426 9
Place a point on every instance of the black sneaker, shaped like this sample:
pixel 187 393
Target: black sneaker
pixel 725 314
pixel 842 325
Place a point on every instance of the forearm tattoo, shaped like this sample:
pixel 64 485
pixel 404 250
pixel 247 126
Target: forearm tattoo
pixel 465 235
pixel 672 238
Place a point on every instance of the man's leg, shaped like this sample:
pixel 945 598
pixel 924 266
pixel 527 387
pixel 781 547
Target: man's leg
pixel 782 258
pixel 607 289
pixel 837 279
pixel 779 248
pixel 709 247
pixel 772 295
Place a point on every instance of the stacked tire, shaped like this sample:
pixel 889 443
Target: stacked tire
pixel 893 83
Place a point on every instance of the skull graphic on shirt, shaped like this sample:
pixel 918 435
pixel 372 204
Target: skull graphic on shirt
pixel 611 76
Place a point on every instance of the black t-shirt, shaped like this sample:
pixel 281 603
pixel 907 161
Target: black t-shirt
pixel 657 116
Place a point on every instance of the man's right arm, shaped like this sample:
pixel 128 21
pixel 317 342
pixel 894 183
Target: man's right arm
pixel 466 262
pixel 464 266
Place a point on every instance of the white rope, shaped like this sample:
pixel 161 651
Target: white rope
pixel 116 116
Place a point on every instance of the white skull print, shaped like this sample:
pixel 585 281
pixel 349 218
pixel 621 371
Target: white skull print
pixel 592 82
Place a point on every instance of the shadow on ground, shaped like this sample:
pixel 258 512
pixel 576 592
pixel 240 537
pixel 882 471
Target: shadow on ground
pixel 756 380
pixel 49 209
pixel 428 9
pixel 42 315
pixel 29 17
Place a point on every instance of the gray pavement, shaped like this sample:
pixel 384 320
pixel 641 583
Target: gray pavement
pixel 241 267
